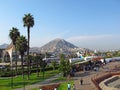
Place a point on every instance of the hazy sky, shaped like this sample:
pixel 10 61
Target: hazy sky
pixel 93 24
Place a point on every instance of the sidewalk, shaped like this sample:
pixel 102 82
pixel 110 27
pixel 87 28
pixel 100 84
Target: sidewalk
pixel 87 83
pixel 45 82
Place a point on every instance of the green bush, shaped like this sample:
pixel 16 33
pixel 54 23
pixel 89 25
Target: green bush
pixel 7 72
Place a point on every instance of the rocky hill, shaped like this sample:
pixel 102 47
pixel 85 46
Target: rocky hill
pixel 3 46
pixel 58 46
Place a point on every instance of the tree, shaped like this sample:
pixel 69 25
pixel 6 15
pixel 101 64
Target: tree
pixel 64 66
pixel 1 50
pixel 28 21
pixel 14 34
pixel 68 67
pixel 29 60
pixel 21 46
pixel 54 63
pixel 43 65
pixel 36 58
pixel 38 62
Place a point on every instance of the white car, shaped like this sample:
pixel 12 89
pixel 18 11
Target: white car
pixel 2 67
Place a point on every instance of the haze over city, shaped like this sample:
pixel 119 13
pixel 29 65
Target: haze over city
pixel 85 23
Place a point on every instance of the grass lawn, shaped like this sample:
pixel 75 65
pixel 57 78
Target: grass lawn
pixel 5 84
pixel 63 86
pixel 34 89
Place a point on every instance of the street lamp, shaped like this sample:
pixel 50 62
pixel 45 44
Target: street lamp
pixel 12 74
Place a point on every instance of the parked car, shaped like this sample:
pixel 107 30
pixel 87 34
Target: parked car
pixel 2 67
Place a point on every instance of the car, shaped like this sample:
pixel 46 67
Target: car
pixel 2 66
pixel 95 68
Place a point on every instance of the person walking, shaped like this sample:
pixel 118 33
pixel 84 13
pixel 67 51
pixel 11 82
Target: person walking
pixel 69 86
pixel 55 88
pixel 81 81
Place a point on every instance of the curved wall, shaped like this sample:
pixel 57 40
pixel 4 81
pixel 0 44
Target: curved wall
pixel 98 80
pixel 104 84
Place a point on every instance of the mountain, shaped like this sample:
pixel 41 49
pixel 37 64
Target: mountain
pixel 35 49
pixel 58 46
pixel 3 46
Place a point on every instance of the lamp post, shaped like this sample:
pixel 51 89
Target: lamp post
pixel 11 62
pixel 43 68
pixel 23 82
pixel 23 79
pixel 12 74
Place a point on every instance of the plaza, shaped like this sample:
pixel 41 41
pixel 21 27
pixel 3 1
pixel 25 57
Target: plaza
pixel 87 76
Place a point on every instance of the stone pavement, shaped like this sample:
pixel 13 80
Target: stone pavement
pixel 86 76
pixel 87 83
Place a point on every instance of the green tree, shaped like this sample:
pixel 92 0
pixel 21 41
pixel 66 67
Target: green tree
pixel 38 62
pixel 43 65
pixel 36 58
pixel 1 50
pixel 109 54
pixel 54 63
pixel 68 67
pixel 29 60
pixel 14 34
pixel 64 66
pixel 21 46
pixel 28 21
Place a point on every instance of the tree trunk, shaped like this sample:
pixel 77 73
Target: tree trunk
pixel 23 71
pixel 28 65
pixel 22 66
pixel 37 68
pixel 16 60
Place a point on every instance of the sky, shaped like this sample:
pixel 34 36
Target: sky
pixel 93 24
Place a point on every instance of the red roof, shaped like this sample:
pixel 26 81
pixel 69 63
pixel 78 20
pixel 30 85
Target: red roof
pixel 97 58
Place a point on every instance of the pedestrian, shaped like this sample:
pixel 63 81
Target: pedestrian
pixel 74 88
pixel 81 81
pixel 40 88
pixel 68 86
pixel 55 88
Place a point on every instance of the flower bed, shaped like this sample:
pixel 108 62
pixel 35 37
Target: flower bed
pixel 49 87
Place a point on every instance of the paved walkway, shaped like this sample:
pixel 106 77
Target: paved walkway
pixel 45 82
pixel 86 76
pixel 87 83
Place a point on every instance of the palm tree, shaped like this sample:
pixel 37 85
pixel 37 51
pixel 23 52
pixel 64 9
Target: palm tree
pixel 14 34
pixel 21 46
pixel 38 62
pixel 36 58
pixel 43 64
pixel 28 21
